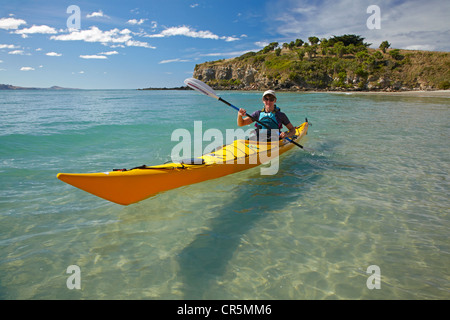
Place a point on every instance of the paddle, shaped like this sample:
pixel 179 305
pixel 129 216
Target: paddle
pixel 207 90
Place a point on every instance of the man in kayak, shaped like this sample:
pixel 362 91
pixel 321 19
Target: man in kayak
pixel 271 116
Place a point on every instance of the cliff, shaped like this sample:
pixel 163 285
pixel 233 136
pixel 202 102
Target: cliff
pixel 332 64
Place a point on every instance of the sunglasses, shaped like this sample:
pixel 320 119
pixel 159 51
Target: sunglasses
pixel 269 98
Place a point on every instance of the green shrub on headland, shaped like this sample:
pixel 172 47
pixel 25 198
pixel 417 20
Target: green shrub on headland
pixel 339 63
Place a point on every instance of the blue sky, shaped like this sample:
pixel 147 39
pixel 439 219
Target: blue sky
pixel 137 44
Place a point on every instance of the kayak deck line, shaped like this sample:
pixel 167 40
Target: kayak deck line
pixel 127 186
pixel 186 163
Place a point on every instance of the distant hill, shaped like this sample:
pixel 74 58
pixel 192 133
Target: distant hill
pixel 165 88
pixel 339 63
pixel 11 87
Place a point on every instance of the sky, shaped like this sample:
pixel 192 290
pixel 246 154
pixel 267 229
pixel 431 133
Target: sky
pixel 99 44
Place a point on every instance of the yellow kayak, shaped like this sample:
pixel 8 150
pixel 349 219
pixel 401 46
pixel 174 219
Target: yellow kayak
pixel 130 186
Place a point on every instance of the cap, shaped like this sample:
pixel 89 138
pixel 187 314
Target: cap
pixel 271 92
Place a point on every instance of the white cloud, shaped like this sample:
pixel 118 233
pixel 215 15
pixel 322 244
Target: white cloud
pixel 117 46
pixel 109 53
pixel 27 69
pixel 114 37
pixel 17 52
pixel 229 39
pixel 134 43
pixel 136 22
pixel 96 14
pixel 94 34
pixel 189 32
pixel 194 5
pixel 37 29
pixel 262 44
pixel 403 23
pixel 53 54
pixel 227 54
pixel 11 23
pixel 93 57
pixel 173 60
pixel 184 31
pixel 8 46
pixel 420 47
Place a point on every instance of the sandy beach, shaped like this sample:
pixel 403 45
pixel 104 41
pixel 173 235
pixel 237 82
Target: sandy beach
pixel 427 94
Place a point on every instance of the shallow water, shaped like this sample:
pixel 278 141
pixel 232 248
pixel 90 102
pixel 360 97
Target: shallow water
pixel 371 189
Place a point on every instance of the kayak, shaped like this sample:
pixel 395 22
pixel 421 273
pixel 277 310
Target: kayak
pixel 130 186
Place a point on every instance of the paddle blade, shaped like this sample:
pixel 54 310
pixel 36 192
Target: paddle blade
pixel 201 87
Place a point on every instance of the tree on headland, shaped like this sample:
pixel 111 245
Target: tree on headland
pixel 271 47
pixel 313 40
pixel 384 45
pixel 298 42
pixel 339 49
pixel 348 39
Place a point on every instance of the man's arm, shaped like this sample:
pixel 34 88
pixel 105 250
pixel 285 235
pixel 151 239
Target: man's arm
pixel 241 121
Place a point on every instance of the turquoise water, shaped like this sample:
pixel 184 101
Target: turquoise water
pixel 372 189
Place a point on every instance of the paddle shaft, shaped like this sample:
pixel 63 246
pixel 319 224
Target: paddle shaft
pixel 257 121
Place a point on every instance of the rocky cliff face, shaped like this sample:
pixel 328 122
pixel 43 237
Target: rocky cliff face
pixel 230 75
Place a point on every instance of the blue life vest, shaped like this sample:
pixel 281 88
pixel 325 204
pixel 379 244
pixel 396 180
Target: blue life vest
pixel 269 119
